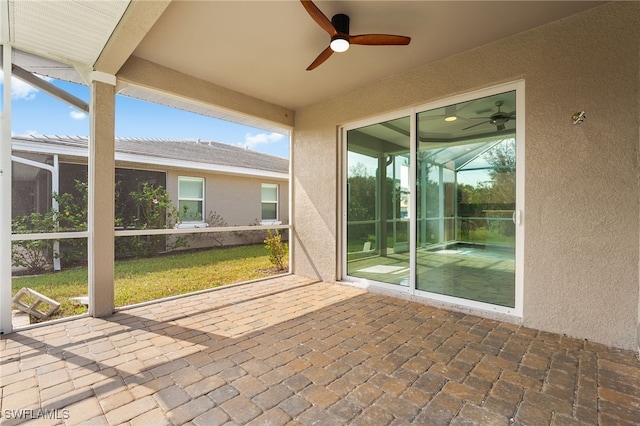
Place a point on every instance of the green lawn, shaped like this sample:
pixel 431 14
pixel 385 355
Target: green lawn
pixel 141 280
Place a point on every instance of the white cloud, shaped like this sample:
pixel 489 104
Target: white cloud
pixel 251 140
pixel 77 115
pixel 27 133
pixel 21 90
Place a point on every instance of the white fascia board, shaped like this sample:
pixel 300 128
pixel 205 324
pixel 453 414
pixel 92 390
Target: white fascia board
pixel 44 148
pixel 193 165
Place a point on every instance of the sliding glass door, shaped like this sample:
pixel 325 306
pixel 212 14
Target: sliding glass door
pixel 377 230
pixel 451 181
pixel 466 190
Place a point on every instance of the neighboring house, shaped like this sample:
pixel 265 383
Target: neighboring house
pixel 203 178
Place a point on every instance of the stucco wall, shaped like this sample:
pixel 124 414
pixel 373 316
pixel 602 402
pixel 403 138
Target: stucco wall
pixel 235 198
pixel 581 190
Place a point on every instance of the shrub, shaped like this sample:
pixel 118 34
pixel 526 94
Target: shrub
pixel 156 212
pixel 214 220
pixel 278 250
pixel 34 255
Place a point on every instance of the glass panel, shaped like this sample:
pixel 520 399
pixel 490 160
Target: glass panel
pixel 191 188
pixel 466 200
pixel 269 211
pixel 269 193
pixel 378 208
pixel 190 211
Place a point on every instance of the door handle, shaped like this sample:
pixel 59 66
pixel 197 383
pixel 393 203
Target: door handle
pixel 517 216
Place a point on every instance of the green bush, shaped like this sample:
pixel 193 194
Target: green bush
pixel 156 212
pixel 34 255
pixel 278 250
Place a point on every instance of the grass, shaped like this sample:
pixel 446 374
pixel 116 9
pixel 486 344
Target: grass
pixel 142 280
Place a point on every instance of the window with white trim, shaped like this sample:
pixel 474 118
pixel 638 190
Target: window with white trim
pixel 269 202
pixel 191 199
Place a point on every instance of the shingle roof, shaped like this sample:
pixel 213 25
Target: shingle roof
pixel 178 149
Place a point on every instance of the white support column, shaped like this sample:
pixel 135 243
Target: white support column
pixel 5 195
pixel 101 197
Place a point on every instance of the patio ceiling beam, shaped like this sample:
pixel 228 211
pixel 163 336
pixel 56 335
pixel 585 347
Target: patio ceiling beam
pixel 136 22
pixel 148 75
pixel 49 88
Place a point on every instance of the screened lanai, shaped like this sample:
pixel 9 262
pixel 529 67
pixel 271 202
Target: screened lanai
pixel 464 201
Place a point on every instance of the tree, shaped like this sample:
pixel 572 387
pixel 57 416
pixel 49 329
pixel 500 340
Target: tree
pixel 361 194
pixel 502 158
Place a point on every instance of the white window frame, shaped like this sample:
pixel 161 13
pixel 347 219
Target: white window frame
pixel 275 221
pixel 202 199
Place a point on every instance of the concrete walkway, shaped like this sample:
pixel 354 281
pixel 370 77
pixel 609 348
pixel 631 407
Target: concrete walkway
pixel 292 351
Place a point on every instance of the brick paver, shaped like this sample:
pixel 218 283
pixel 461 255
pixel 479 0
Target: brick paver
pixel 292 351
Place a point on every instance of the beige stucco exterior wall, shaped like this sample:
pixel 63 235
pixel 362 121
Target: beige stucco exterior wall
pixel 581 217
pixel 235 198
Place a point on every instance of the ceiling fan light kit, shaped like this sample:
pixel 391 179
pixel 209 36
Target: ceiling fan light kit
pixel 339 44
pixel 450 113
pixel 338 30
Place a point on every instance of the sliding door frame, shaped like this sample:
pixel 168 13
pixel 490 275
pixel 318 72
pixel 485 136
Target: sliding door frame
pixel 411 290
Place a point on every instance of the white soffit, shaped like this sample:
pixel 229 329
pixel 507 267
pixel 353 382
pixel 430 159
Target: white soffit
pixel 71 31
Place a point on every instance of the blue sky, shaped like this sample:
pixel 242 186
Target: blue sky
pixel 36 112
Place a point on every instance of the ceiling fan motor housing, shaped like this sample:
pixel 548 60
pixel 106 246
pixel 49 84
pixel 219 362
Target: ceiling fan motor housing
pixel 341 23
pixel 338 30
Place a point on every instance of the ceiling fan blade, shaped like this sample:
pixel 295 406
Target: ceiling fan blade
pixel 467 128
pixel 319 17
pixel 379 40
pixel 321 58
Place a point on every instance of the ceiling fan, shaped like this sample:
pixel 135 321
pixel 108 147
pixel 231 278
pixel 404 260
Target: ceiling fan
pixel 338 29
pixel 498 119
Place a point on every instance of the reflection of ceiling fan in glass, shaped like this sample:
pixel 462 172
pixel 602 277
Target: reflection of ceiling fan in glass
pixel 498 119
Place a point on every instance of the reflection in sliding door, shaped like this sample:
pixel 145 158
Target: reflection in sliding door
pixel 466 191
pixel 378 207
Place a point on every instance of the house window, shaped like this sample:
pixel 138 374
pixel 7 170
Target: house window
pixel 269 202
pixel 191 199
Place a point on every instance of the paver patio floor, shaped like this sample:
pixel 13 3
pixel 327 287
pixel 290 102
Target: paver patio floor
pixel 292 351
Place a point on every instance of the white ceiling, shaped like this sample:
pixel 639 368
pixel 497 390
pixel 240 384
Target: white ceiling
pixel 262 48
